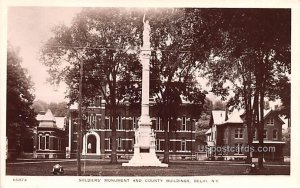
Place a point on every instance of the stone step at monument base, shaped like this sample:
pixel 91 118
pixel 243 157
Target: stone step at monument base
pixel 145 159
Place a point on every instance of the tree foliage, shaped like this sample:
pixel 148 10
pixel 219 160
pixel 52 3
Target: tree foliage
pixel 256 59
pixel 182 40
pixel 219 105
pixel 242 51
pixel 39 106
pixel 105 40
pixel 19 91
pixel 58 109
pixel 19 113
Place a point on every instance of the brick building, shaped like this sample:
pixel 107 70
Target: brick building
pixel 49 136
pixel 232 131
pixel 97 139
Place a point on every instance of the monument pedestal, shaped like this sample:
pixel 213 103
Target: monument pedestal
pixel 144 149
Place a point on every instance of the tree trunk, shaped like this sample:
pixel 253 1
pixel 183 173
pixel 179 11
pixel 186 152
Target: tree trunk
pixel 113 158
pixel 254 117
pixel 261 127
pixel 249 133
pixel 18 139
pixel 247 95
pixel 167 144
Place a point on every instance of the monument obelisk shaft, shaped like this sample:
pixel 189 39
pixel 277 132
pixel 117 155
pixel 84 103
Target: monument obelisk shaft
pixel 144 147
pixel 145 59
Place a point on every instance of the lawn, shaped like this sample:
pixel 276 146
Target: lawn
pixel 176 168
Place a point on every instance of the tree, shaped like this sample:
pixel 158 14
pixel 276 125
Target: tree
pixel 106 41
pixel 219 105
pixel 271 49
pixel 258 49
pixel 267 105
pixel 202 126
pixel 58 109
pixel 172 76
pixel 283 88
pixel 39 106
pixel 286 137
pixel 19 100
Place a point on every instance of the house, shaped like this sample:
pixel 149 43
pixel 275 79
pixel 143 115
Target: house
pixel 49 136
pixel 272 136
pixel 97 138
pixel 228 139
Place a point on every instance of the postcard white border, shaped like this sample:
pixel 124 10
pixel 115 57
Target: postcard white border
pixel 224 181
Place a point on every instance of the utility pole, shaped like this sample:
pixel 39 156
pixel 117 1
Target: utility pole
pixel 79 132
pixel 193 124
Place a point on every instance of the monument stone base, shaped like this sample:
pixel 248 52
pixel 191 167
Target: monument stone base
pixel 144 159
pixel 144 149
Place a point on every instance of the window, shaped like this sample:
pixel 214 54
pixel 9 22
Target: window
pixel 183 123
pixel 41 142
pixel 238 148
pixel 119 140
pixel 183 145
pixel 93 120
pixel 107 123
pixel 239 133
pixel 108 143
pixel 132 143
pixel 270 121
pixel 158 144
pixel 119 123
pixel 97 101
pixel 55 144
pixel 90 120
pixel 47 144
pixel 255 134
pixel 158 124
pixel 59 144
pixel 265 134
pixel 134 123
pixel 275 136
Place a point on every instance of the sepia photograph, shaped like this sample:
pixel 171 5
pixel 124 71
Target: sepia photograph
pixel 138 94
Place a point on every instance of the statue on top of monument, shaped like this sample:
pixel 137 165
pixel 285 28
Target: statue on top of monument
pixel 146 33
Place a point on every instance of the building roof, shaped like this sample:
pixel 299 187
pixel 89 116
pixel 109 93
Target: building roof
pixel 211 143
pixel 39 117
pixel 60 122
pixel 218 116
pixel 48 116
pixel 285 124
pixel 270 111
pixel 74 106
pixel 208 131
pixel 266 112
pixel 49 121
pixel 235 117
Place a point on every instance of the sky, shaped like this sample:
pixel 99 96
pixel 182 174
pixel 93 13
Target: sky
pixel 28 28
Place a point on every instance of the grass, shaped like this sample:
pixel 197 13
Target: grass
pixel 178 168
